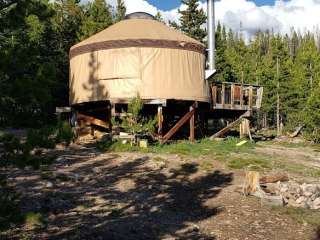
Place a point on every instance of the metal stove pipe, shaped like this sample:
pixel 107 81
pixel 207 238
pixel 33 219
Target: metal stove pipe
pixel 211 35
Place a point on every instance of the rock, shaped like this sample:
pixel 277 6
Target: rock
pixel 97 170
pixel 86 179
pixel 49 185
pixel 316 203
pixel 292 203
pixel 273 201
pixel 300 200
pixel 195 228
pixel 308 194
pixel 27 168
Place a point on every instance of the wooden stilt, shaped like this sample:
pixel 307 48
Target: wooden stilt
pixel 179 124
pixel 245 128
pixel 192 120
pixel 160 121
pixel 113 110
pixel 202 123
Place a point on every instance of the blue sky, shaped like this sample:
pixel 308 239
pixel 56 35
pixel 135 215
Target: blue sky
pixel 170 4
pixel 251 15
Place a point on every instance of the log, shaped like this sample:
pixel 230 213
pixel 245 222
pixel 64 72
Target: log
pixel 296 132
pixel 251 184
pixel 252 187
pixel 274 178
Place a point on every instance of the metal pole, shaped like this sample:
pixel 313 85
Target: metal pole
pixel 211 34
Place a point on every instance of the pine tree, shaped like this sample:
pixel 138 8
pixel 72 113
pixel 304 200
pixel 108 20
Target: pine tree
pixel 159 17
pixel 223 55
pixel 174 25
pixel 96 18
pixel 192 20
pixel 120 11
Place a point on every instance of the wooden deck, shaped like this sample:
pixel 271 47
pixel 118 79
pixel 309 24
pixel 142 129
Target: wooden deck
pixel 236 96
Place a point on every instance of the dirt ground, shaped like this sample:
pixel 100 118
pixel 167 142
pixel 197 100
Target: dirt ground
pixel 88 194
pixel 302 155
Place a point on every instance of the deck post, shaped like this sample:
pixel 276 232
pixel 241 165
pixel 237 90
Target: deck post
pixel 223 91
pixel 214 95
pixel 232 96
pixel 244 128
pixel 192 124
pixel 241 96
pixel 113 110
pixel 250 98
pixel 160 121
pixel 179 124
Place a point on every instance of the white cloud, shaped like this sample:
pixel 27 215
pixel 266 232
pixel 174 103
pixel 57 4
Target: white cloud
pixel 280 17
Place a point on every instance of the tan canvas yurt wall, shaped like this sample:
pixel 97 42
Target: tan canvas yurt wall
pixel 138 56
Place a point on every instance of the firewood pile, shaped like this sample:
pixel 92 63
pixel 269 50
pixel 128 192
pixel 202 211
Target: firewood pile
pixel 280 191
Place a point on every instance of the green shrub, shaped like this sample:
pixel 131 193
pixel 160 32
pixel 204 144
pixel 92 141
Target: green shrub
pixel 64 133
pixel 33 220
pixel 134 122
pixel 19 154
pixel 43 137
pixel 9 205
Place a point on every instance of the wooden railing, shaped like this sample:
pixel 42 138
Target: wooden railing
pixel 236 96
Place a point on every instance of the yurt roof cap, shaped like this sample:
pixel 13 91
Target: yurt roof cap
pixel 139 15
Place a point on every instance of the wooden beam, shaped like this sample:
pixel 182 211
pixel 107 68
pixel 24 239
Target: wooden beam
pixel 178 125
pixel 63 109
pixel 113 110
pixel 88 120
pixel 162 102
pixel 160 121
pixel 191 125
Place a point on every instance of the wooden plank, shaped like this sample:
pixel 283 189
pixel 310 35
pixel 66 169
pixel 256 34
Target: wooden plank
pixel 191 125
pixel 63 109
pixel 162 102
pixel 250 97
pixel 88 120
pixel 232 96
pixel 223 97
pixel 241 96
pixel 178 125
pixel 228 128
pixel 259 97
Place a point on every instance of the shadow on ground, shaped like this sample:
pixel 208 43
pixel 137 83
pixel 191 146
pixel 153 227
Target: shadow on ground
pixel 97 196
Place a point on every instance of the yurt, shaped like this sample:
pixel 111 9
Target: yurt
pixel 138 55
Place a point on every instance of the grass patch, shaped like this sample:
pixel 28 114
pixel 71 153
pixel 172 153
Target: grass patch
pixel 316 147
pixel 159 159
pixel 33 220
pixel 301 215
pixel 200 148
pixel 298 169
pixel 251 163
